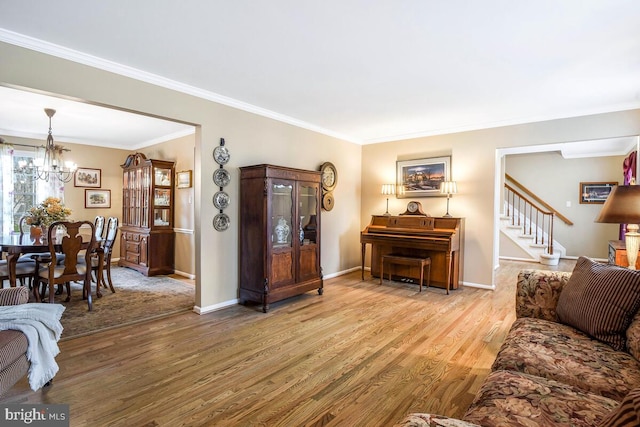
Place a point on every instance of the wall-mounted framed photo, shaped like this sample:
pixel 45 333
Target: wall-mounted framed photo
pixel 422 177
pixel 95 199
pixel 595 192
pixel 183 179
pixel 85 177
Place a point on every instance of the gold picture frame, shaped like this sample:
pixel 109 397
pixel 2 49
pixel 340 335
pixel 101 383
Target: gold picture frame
pixel 183 179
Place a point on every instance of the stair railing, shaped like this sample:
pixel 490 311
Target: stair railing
pixel 535 221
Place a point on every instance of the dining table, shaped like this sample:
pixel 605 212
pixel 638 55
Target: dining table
pixel 15 245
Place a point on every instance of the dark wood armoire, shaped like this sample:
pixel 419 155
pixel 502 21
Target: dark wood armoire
pixel 279 233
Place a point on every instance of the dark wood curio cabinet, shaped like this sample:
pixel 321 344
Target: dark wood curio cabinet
pixel 279 233
pixel 147 239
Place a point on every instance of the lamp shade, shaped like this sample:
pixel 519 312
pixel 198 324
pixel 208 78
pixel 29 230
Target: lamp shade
pixel 448 187
pixel 622 206
pixel 388 189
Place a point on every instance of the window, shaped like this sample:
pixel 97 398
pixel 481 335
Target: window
pixel 25 189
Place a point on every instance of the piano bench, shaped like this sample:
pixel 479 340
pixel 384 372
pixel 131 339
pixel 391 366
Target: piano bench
pixel 405 260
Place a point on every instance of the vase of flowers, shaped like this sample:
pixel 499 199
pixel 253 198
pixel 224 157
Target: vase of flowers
pixel 41 216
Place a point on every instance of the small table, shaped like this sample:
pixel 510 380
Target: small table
pixel 411 261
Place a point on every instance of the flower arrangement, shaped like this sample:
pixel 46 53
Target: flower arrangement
pixel 47 212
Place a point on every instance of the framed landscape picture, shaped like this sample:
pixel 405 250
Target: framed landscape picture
pixel 86 177
pixel 422 177
pixel 595 192
pixel 183 179
pixel 97 199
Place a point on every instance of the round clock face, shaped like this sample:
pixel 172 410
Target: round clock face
pixel 329 176
pixel 327 202
pixel 412 207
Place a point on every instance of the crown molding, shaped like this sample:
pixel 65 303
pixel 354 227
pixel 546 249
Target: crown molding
pixel 510 122
pixel 58 51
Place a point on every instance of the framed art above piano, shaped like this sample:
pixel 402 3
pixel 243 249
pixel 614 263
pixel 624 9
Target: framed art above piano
pixel 422 177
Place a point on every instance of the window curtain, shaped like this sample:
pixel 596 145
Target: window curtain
pixel 6 183
pixel 629 173
pixel 52 188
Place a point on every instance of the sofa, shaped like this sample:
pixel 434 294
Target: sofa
pixel 13 344
pixel 571 358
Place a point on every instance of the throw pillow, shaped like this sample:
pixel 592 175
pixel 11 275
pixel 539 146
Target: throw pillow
pixel 600 300
pixel 627 414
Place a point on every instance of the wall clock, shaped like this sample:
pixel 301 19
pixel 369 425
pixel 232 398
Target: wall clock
pixel 329 176
pixel 327 201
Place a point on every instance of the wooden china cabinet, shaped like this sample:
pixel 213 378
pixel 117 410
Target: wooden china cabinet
pixel 279 233
pixel 147 239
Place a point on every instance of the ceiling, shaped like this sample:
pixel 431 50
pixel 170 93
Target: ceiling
pixel 360 70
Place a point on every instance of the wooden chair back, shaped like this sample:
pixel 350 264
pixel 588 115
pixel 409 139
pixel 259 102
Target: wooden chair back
pixel 110 238
pixel 23 228
pixel 98 223
pixel 69 243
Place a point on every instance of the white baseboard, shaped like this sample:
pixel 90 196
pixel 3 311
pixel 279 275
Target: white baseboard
pixel 214 307
pixel 479 286
pixel 340 273
pixel 183 274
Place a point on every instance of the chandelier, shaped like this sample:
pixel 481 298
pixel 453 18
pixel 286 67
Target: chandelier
pixel 49 160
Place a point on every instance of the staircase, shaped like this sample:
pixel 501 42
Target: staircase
pixel 536 250
pixel 528 222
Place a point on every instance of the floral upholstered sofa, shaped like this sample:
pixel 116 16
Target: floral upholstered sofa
pixel 571 357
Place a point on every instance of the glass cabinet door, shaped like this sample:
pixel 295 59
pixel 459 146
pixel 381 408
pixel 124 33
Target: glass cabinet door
pixel 162 197
pixel 281 208
pixel 308 210
pixel 162 176
pixel 161 217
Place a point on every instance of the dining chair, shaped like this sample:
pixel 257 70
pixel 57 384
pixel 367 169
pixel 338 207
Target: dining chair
pixel 70 244
pixel 107 247
pixel 99 225
pixel 24 230
pixel 24 270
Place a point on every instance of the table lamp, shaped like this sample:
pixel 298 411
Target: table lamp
pixel 388 190
pixel 448 188
pixel 623 207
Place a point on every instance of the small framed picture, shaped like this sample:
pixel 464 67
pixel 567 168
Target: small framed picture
pixel 85 177
pixel 183 179
pixel 97 199
pixel 595 192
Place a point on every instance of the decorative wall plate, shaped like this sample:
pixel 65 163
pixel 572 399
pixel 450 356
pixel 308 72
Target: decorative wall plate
pixel 221 222
pixel 221 177
pixel 221 200
pixel 221 155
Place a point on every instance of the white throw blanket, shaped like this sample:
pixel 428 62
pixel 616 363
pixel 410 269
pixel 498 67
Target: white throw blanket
pixel 41 324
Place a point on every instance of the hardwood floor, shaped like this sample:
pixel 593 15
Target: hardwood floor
pixel 360 355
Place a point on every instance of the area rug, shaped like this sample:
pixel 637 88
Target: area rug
pixel 137 298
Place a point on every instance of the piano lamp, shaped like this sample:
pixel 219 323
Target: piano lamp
pixel 388 190
pixel 623 207
pixel 448 188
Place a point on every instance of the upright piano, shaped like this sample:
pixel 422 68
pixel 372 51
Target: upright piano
pixel 439 238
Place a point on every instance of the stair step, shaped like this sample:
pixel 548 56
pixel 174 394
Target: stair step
pixel 514 227
pixel 549 259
